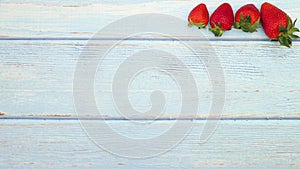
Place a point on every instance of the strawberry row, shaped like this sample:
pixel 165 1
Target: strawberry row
pixel 276 23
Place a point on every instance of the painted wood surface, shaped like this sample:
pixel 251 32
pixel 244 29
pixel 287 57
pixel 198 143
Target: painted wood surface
pixel 60 18
pixel 41 41
pixel 235 144
pixel 37 78
pixel 37 64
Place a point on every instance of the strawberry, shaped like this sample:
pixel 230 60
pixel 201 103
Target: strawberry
pixel 199 16
pixel 222 19
pixel 278 25
pixel 247 18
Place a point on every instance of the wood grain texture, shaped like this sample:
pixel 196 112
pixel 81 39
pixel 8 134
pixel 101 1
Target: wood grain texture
pixel 235 144
pixel 41 41
pixel 37 78
pixel 84 18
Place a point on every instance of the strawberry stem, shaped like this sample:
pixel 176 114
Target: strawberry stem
pixel 287 34
pixel 200 25
pixel 245 24
pixel 217 30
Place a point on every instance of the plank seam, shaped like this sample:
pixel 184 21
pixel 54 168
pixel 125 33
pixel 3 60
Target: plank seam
pixel 136 39
pixel 146 119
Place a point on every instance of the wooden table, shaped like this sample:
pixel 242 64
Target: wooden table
pixel 41 42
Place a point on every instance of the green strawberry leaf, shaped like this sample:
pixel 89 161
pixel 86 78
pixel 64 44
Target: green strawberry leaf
pixel 294 36
pixel 245 24
pixel 294 23
pixel 289 24
pixel 287 34
pixel 282 28
pixel 237 25
pixel 191 23
pixel 217 30
pixel 200 25
pixel 242 17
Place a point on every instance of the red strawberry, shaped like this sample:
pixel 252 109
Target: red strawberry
pixel 247 18
pixel 199 16
pixel 222 19
pixel 278 25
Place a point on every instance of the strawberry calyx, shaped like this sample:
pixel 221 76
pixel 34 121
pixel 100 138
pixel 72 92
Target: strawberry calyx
pixel 287 34
pixel 245 24
pixel 217 30
pixel 200 25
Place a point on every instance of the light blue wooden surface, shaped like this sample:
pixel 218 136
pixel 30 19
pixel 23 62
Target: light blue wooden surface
pixel 37 78
pixel 40 42
pixel 235 144
pixel 58 18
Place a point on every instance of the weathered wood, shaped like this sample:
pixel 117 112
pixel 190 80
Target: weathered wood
pixel 48 18
pixel 235 144
pixel 37 77
pixel 41 41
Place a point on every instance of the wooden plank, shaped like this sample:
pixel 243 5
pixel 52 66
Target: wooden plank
pixel 36 78
pixel 41 41
pixel 235 144
pixel 36 18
